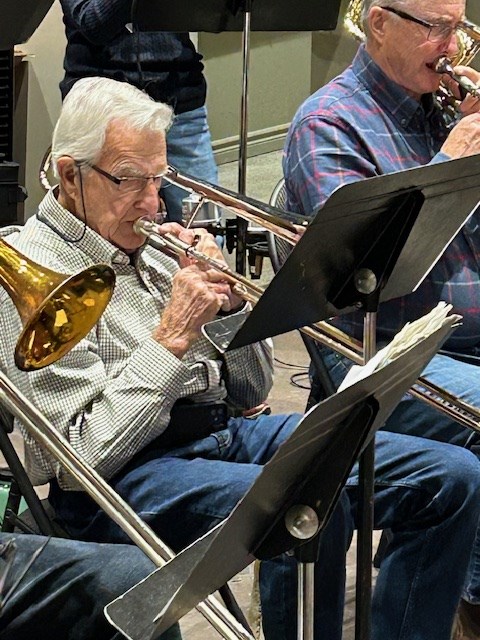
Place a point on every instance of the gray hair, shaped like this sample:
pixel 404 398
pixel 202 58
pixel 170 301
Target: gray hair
pixel 91 105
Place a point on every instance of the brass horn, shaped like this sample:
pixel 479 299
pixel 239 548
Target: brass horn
pixel 468 41
pixel 257 212
pixel 56 310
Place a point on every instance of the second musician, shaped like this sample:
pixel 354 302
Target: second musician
pixel 379 117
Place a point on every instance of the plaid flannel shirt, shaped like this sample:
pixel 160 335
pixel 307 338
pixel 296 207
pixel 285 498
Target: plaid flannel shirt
pixel 360 125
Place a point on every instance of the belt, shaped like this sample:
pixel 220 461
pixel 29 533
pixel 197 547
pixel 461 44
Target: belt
pixel 190 421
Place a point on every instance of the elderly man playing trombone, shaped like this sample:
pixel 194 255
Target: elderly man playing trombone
pixel 149 403
pixel 379 116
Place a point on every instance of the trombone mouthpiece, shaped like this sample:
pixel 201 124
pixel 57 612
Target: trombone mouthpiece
pixel 443 65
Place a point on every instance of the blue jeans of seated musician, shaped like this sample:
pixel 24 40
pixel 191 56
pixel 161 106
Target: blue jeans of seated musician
pixel 414 417
pixel 430 500
pixel 189 149
pixel 63 593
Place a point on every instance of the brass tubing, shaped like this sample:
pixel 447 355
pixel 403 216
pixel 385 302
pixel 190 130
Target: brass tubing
pixel 56 310
pixel 281 223
pixel 138 531
pixel 444 65
pixel 322 332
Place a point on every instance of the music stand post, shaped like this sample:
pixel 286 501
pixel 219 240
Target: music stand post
pixel 246 16
pixel 242 224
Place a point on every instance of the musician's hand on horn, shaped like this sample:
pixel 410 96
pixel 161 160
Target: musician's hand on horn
pixel 469 104
pixel 206 244
pixel 197 295
pixel 177 230
pixel 464 138
pixel 230 301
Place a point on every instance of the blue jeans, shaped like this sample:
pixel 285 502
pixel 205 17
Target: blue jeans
pixel 414 417
pixel 63 594
pixel 189 149
pixel 429 499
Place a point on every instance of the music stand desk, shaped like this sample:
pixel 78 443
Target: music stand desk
pixel 19 20
pixel 224 15
pixel 397 225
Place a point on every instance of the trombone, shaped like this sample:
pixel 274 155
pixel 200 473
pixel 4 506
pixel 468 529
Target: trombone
pixel 284 227
pixel 57 311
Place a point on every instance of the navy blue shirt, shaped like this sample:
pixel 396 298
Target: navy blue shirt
pixel 165 65
pixel 360 125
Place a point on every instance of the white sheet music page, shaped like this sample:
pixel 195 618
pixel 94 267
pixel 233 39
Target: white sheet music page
pixel 406 338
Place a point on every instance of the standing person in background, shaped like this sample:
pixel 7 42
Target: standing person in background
pixel 101 41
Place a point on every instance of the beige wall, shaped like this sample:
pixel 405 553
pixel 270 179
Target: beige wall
pixel 278 80
pixel 284 69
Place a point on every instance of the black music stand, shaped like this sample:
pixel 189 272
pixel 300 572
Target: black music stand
pixel 215 16
pixel 19 20
pixel 396 225
pixel 387 232
pixel 238 15
pixel 288 505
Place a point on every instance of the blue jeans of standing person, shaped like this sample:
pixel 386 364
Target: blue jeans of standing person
pixel 189 149
pixel 414 417
pixel 63 593
pixel 427 492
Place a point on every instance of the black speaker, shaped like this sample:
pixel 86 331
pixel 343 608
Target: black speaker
pixel 10 193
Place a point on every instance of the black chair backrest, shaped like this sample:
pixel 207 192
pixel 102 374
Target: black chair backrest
pixel 279 249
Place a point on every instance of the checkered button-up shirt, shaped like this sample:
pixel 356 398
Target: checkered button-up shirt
pixel 112 394
pixel 360 125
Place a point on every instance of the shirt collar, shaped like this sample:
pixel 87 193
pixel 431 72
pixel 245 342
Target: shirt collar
pixel 391 96
pixel 69 227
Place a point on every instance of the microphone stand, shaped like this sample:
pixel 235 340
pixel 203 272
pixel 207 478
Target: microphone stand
pixel 242 224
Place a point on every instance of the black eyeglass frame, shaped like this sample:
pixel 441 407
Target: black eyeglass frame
pixel 424 23
pixel 125 179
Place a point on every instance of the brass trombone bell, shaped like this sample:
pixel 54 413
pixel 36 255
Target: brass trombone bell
pixel 56 310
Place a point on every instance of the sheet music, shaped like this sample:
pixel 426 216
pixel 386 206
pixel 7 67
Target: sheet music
pixel 404 340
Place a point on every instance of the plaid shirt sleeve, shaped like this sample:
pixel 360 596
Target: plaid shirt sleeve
pixel 322 156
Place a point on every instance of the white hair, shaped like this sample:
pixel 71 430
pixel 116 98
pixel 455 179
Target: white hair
pixel 368 4
pixel 91 105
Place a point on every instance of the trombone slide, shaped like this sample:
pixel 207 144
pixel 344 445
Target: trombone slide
pixel 100 491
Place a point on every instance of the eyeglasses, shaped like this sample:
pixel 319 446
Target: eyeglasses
pixel 127 184
pixel 436 32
